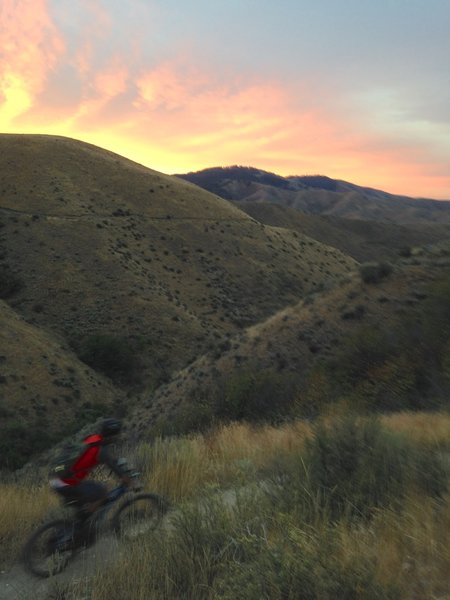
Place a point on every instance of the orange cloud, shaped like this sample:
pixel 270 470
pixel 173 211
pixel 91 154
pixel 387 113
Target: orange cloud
pixel 185 121
pixel 176 117
pixel 31 46
pixel 112 81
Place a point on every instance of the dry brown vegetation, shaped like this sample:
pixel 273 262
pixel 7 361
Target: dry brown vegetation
pixel 229 540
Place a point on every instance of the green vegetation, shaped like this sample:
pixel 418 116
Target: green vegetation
pixel 255 396
pixel 391 366
pixel 374 272
pixel 10 283
pixel 248 394
pixel 111 355
pixel 355 467
pixel 19 441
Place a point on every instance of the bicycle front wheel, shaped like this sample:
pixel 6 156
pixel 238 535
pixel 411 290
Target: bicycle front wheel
pixel 139 515
pixel 49 549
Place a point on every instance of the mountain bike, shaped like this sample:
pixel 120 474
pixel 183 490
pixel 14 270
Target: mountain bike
pixel 52 546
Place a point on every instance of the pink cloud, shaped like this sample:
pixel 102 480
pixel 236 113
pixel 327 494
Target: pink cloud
pixel 30 47
pixel 176 117
pixel 112 81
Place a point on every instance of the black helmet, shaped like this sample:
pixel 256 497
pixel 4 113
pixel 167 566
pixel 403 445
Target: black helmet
pixel 110 427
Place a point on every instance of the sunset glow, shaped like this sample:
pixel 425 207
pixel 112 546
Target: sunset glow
pixel 181 88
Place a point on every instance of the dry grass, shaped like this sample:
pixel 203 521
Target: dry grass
pixel 406 549
pixel 431 429
pixel 180 468
pixel 21 509
pixel 412 547
pixel 406 552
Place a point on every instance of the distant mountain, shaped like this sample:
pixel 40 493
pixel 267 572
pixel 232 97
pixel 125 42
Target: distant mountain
pixel 318 195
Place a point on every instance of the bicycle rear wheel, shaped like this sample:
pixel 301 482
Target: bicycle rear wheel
pixel 139 515
pixel 49 549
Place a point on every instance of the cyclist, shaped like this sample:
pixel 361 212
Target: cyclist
pixel 73 486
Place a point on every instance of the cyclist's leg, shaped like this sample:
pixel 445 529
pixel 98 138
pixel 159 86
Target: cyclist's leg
pixel 93 494
pixel 70 495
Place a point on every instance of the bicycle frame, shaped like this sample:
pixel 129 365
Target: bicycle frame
pixel 113 495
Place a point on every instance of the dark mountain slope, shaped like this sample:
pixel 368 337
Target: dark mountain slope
pixel 363 240
pixel 319 195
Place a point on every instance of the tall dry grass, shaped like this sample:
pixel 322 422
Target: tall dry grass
pixel 400 553
pixel 180 468
pixel 431 429
pixel 22 507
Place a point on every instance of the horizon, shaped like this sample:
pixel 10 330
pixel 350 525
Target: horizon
pixel 299 87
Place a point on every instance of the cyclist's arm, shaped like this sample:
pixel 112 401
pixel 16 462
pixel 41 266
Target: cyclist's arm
pixel 107 459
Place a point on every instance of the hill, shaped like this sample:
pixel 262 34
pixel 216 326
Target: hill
pixel 362 240
pixel 372 343
pixel 133 272
pixel 319 195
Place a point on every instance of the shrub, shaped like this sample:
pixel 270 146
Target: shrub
pixel 367 348
pixel 111 355
pixel 374 272
pixel 436 316
pixel 196 414
pixel 19 442
pixel 10 283
pixel 255 396
pixel 355 467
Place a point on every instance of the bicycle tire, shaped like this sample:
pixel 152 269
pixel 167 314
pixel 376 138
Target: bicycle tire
pixel 139 515
pixel 46 552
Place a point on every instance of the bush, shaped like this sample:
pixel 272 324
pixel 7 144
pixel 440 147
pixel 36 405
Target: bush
pixel 374 272
pixel 10 283
pixel 255 396
pixel 366 349
pixel 111 355
pixel 195 414
pixel 19 442
pixel 355 467
pixel 436 317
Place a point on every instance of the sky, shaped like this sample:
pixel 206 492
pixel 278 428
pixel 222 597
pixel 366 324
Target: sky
pixel 357 90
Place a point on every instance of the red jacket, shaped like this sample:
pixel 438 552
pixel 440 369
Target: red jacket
pixel 87 461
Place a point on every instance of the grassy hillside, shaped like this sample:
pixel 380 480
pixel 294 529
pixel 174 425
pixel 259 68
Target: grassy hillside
pixel 372 343
pixel 131 271
pixel 45 391
pixel 363 240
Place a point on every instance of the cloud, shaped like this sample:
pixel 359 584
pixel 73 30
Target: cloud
pixel 30 47
pixel 90 71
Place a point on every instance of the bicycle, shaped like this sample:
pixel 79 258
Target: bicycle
pixel 53 545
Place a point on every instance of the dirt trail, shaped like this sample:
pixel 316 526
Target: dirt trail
pixel 16 584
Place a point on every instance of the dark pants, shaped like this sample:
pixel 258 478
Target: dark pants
pixel 82 493
pixel 86 492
